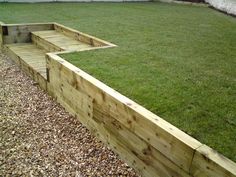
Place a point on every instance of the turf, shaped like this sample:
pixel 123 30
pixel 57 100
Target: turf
pixel 176 60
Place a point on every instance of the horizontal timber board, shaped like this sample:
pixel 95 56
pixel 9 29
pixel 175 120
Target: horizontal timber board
pixel 145 141
pixel 151 161
pixel 138 124
pixel 91 40
pixel 59 40
pixel 207 162
pixel 39 42
pixel 107 126
pixel 173 143
pixel 20 33
pixel 38 76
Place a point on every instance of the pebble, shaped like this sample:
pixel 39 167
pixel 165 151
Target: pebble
pixel 39 138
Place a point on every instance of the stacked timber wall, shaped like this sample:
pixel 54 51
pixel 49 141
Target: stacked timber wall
pixel 148 143
pixel 145 141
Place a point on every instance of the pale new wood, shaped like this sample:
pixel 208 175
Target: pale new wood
pixel 58 40
pixel 21 33
pixel 80 103
pixel 173 143
pixel 145 141
pixel 85 83
pixel 91 40
pixel 26 53
pixel 209 163
pixel 43 44
pixel 81 50
pixel 38 76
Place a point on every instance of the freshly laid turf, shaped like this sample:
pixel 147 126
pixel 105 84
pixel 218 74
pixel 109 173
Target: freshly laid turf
pixel 178 61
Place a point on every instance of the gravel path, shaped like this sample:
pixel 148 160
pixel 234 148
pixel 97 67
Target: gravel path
pixel 38 138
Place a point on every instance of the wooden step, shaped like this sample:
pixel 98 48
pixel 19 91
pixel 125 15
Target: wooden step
pixel 30 57
pixel 53 41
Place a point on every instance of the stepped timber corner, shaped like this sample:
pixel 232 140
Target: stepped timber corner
pixel 145 141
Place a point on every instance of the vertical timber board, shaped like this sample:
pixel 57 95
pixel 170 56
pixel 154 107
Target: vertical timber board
pixel 208 163
pixel 170 141
pixel 21 33
pixel 144 157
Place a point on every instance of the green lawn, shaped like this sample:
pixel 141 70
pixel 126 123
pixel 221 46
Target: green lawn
pixel 178 61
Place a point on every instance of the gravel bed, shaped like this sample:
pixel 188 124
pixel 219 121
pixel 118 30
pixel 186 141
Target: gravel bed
pixel 39 138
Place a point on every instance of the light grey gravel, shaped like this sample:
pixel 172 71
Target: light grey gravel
pixel 39 138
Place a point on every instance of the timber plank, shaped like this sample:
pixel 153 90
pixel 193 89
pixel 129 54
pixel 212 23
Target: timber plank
pixel 37 75
pixel 117 120
pixel 145 141
pixel 57 40
pixel 153 162
pixel 21 33
pixel 31 56
pixel 46 45
pixel 170 141
pixel 209 163
pixel 78 35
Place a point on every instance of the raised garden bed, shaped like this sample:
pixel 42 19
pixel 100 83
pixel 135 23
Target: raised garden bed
pixel 145 141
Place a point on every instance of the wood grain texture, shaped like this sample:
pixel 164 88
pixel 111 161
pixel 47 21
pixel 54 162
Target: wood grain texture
pixel 144 157
pixel 207 162
pixel 153 129
pixel 52 41
pixel 37 74
pixel 43 44
pixel 145 141
pixel 157 148
pixel 91 40
pixel 31 56
pixel 1 35
pixel 21 33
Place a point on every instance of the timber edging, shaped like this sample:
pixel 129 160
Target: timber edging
pixel 145 141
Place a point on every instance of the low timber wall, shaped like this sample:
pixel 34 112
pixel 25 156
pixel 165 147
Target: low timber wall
pixel 135 133
pixel 145 141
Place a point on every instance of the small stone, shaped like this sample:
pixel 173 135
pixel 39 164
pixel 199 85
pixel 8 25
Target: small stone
pixel 49 141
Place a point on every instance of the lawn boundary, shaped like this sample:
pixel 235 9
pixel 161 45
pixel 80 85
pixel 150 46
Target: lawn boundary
pixel 145 141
